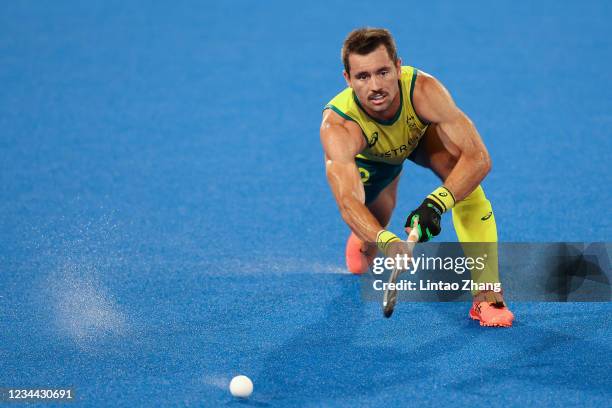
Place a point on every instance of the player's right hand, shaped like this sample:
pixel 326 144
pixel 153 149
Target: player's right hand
pixel 385 240
pixel 403 250
pixel 391 246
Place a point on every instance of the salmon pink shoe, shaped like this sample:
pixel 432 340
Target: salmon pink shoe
pixel 357 261
pixel 491 310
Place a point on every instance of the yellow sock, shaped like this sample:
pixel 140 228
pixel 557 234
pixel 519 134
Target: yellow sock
pixel 474 221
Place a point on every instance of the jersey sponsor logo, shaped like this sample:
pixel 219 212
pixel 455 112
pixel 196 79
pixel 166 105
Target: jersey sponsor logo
pixel 443 194
pixel 486 217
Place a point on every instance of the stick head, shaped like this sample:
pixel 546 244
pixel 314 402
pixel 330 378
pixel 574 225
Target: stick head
pixel 390 295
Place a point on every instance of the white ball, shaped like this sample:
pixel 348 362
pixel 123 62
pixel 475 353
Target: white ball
pixel 241 386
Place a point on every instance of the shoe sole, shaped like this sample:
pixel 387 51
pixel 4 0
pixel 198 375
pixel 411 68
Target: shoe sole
pixel 476 317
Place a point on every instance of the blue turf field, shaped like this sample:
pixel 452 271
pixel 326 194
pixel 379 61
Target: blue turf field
pixel 165 223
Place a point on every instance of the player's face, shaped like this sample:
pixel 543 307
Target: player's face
pixel 374 78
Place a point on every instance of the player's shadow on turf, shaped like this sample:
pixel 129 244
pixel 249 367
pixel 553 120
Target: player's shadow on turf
pixel 325 361
pixel 580 274
pixel 548 358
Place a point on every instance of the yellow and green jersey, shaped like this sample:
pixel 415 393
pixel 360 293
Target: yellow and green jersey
pixel 389 141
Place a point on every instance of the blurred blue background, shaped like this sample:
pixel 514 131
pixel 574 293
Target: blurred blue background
pixel 165 222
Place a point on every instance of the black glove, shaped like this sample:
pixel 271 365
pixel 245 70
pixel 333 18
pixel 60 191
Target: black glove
pixel 428 214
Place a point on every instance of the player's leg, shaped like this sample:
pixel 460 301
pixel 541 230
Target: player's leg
pixel 382 207
pixel 473 220
pixel 473 217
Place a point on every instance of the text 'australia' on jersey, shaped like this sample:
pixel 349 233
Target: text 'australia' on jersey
pixel 389 141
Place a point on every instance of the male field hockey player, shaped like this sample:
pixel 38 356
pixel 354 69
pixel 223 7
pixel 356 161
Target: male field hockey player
pixel 390 113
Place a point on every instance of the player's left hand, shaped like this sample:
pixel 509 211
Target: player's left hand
pixel 428 215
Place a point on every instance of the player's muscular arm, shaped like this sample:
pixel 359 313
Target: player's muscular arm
pixel 457 132
pixel 342 140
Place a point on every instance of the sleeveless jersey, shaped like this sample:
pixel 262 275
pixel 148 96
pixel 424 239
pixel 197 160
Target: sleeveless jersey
pixel 388 141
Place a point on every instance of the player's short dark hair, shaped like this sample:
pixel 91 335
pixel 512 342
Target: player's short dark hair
pixel 364 40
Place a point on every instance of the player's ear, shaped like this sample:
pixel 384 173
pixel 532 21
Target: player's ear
pixel 398 65
pixel 347 78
